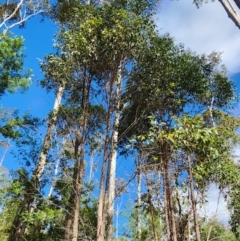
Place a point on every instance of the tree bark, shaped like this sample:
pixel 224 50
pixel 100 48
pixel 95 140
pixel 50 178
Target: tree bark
pixel 139 201
pixel 113 156
pixel 163 159
pixel 167 225
pixel 170 204
pixel 100 212
pixel 78 172
pixel 195 216
pixel 47 140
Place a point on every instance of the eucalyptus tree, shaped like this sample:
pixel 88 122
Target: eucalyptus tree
pixel 207 153
pixel 168 81
pixel 38 172
pixel 124 33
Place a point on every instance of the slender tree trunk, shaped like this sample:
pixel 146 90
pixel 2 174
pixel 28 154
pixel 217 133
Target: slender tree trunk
pixel 78 199
pixel 100 212
pixel 167 225
pixel 195 216
pixel 85 105
pixel 56 170
pixel 189 227
pixel 78 172
pixel 139 201
pixel 170 203
pixel 47 141
pixel 70 207
pixel 18 224
pixel 113 156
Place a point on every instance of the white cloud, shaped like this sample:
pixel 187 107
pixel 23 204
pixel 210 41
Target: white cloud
pixel 216 207
pixel 202 30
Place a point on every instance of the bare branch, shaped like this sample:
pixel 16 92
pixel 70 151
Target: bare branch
pixel 13 13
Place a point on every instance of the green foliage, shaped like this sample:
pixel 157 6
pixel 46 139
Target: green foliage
pixel 167 81
pixel 130 229
pixel 234 208
pixel 213 230
pixel 12 74
pixel 11 124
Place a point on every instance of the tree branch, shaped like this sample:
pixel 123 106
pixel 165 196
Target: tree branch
pixel 232 13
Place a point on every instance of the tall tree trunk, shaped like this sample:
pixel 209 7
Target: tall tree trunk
pixel 139 201
pixel 78 199
pixel 18 225
pixel 189 226
pixel 167 225
pixel 194 204
pixel 170 202
pixel 78 172
pixel 56 170
pixel 113 156
pixel 47 140
pixel 169 208
pixel 100 212
pixel 79 182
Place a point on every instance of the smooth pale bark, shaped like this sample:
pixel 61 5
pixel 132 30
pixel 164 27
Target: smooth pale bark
pixel 231 11
pixel 194 208
pixel 47 140
pixel 56 170
pixel 113 157
pixel 78 199
pixel 18 224
pixel 101 198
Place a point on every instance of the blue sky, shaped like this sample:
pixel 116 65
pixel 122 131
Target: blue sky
pixel 38 42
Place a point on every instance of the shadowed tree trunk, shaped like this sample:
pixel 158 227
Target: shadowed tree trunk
pixel 73 210
pixel 139 202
